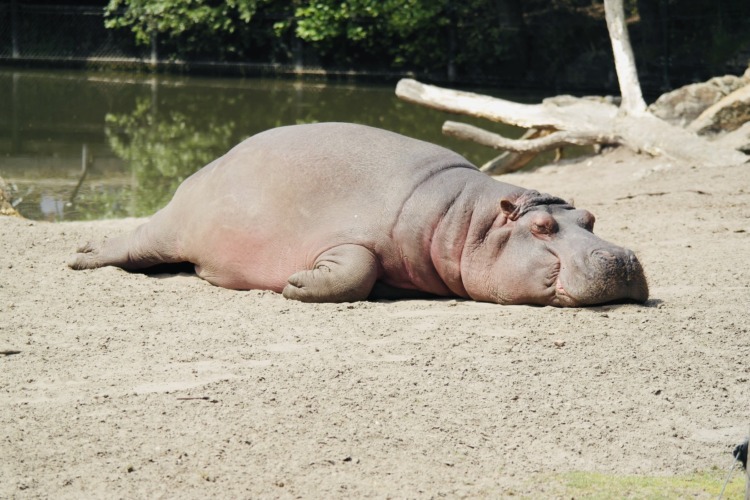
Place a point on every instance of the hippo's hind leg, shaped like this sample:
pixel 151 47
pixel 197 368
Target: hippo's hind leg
pixel 344 273
pixel 150 244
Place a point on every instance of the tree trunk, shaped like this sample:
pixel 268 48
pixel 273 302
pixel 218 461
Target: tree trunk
pixel 627 75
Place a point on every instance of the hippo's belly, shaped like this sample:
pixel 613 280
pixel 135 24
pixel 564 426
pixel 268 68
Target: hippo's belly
pixel 258 243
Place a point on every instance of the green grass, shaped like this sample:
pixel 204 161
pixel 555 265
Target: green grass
pixel 592 485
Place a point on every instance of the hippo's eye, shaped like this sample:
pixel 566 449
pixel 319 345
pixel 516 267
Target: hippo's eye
pixel 542 229
pixel 543 224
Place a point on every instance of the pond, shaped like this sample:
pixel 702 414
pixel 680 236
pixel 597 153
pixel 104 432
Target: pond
pixel 89 145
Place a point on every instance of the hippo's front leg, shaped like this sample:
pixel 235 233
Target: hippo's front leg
pixel 344 273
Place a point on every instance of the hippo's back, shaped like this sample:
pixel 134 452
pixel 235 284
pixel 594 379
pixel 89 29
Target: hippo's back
pixel 341 156
pixel 345 163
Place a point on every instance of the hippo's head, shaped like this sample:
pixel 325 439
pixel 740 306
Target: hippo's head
pixel 543 251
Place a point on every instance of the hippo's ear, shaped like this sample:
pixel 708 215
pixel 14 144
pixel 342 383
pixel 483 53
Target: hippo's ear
pixel 509 209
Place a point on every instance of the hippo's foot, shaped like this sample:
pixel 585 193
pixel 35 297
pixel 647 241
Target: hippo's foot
pixel 150 244
pixel 120 252
pixel 345 273
pixel 87 257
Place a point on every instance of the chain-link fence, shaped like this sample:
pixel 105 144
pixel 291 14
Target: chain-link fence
pixel 30 31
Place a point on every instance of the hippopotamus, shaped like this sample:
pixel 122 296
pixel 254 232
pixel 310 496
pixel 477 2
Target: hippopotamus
pixel 337 212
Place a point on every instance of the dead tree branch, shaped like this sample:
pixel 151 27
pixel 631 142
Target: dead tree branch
pixel 537 145
pixel 552 113
pixel 509 161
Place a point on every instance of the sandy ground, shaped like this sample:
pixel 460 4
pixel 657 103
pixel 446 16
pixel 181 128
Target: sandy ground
pixel 128 385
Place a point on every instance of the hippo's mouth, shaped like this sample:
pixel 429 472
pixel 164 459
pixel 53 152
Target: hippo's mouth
pixel 562 298
pixel 559 295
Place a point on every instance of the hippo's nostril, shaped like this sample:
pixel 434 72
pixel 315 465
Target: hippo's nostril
pixel 600 253
pixel 632 266
pixel 605 259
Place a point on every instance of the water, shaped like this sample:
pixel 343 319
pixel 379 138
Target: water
pixel 92 145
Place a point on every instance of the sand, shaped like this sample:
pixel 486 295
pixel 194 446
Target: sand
pixel 128 385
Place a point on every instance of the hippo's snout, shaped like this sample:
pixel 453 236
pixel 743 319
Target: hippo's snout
pixel 618 275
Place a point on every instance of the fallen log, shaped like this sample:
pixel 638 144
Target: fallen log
pixel 583 120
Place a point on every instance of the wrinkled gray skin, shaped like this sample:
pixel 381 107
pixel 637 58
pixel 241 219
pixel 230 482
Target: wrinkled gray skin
pixel 324 212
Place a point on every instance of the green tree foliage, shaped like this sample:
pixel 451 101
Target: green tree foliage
pixel 416 34
pixel 360 20
pixel 176 17
pixel 386 31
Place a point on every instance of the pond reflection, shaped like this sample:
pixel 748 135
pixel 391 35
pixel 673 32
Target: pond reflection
pixel 163 152
pixel 90 145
